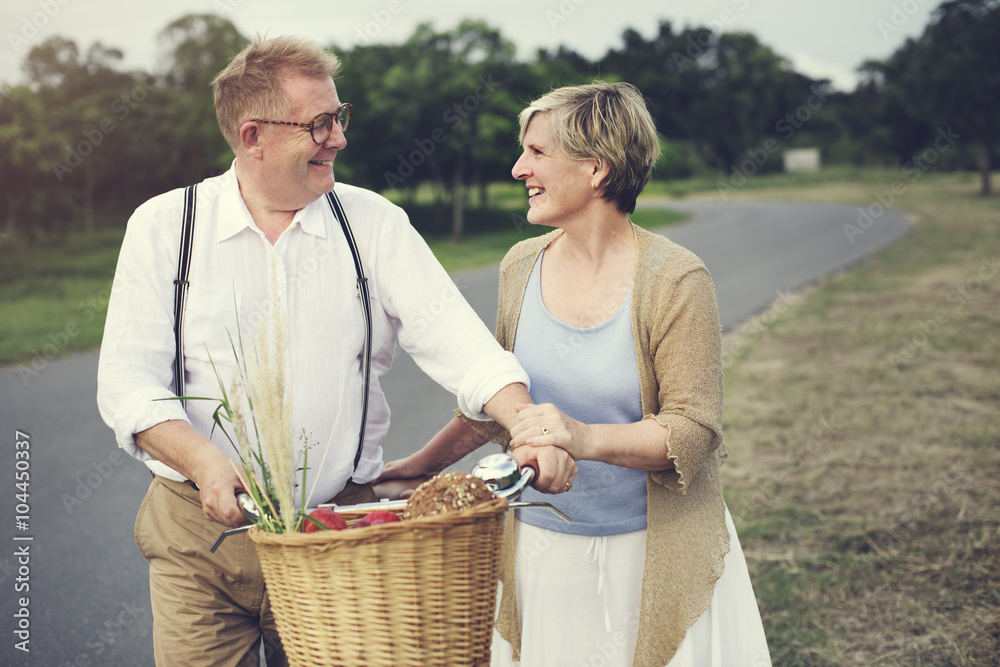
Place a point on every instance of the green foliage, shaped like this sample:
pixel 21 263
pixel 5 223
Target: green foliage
pixel 439 111
pixel 679 160
pixel 200 45
pixel 77 93
pixel 25 142
pixel 85 136
pixel 950 75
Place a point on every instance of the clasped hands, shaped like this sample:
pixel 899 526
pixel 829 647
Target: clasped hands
pixel 546 437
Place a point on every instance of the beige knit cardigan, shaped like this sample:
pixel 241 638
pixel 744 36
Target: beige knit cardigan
pixel 675 324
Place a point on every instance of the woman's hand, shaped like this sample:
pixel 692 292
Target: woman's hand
pixel 546 425
pixel 556 468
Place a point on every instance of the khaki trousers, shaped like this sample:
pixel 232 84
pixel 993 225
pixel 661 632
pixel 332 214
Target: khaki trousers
pixel 209 609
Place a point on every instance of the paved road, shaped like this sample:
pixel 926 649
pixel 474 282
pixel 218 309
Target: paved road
pixel 88 599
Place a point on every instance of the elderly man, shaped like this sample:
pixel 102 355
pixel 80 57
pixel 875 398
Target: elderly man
pixel 263 228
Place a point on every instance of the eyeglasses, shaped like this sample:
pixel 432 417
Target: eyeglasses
pixel 321 126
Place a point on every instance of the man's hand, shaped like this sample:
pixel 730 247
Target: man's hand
pixel 449 445
pixel 556 468
pixel 180 446
pixel 218 483
pixel 407 468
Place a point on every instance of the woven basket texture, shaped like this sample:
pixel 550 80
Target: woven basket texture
pixel 415 593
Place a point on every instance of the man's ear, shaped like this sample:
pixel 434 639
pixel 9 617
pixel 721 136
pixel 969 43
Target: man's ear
pixel 250 139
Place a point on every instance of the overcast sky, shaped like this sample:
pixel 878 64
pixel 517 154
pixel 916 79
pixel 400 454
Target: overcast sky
pixel 822 38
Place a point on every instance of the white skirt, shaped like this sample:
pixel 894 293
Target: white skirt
pixel 578 598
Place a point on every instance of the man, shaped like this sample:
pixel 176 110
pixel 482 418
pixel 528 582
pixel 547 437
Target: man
pixel 265 227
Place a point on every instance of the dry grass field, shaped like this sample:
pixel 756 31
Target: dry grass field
pixel 863 426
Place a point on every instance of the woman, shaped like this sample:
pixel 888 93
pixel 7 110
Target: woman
pixel 619 332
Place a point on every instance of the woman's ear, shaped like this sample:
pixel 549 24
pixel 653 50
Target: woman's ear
pixel 600 172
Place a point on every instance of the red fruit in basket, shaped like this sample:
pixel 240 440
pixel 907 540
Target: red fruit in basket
pixel 360 523
pixel 380 516
pixel 327 517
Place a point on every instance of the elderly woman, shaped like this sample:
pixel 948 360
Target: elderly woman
pixel 619 332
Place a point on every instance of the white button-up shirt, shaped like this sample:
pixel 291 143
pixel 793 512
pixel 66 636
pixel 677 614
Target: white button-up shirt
pixel 413 300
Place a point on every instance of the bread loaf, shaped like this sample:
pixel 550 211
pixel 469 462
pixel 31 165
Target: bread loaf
pixel 447 492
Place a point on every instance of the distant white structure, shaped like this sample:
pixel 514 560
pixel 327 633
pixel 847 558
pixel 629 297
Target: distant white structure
pixel 801 159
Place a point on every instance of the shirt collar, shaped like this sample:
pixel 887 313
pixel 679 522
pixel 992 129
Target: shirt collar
pixel 234 216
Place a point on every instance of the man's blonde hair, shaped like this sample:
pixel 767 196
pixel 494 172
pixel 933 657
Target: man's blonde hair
pixel 248 86
pixel 606 121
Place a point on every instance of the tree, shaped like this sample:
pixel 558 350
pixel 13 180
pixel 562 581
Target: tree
pixel 27 143
pixel 439 109
pixel 83 95
pixel 724 93
pixel 880 117
pixel 950 75
pixel 199 47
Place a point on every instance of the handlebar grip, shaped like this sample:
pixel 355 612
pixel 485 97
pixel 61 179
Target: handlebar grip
pixel 528 473
pixel 248 506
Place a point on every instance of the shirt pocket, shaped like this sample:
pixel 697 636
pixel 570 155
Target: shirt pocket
pixel 211 326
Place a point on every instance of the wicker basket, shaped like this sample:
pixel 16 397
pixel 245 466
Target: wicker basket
pixel 419 592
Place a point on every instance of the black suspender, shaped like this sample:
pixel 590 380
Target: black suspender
pixel 366 312
pixel 182 283
pixel 181 286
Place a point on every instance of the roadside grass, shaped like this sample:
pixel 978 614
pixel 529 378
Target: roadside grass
pixel 863 424
pixel 55 295
pixel 55 292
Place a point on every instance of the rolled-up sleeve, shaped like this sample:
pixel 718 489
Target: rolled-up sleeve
pixel 135 368
pixel 437 326
pixel 486 378
pixel 688 365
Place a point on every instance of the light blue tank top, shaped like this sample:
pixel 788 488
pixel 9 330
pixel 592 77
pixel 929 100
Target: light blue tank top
pixel 590 374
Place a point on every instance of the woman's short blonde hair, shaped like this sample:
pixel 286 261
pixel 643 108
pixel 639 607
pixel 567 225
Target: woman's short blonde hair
pixel 606 121
pixel 248 86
